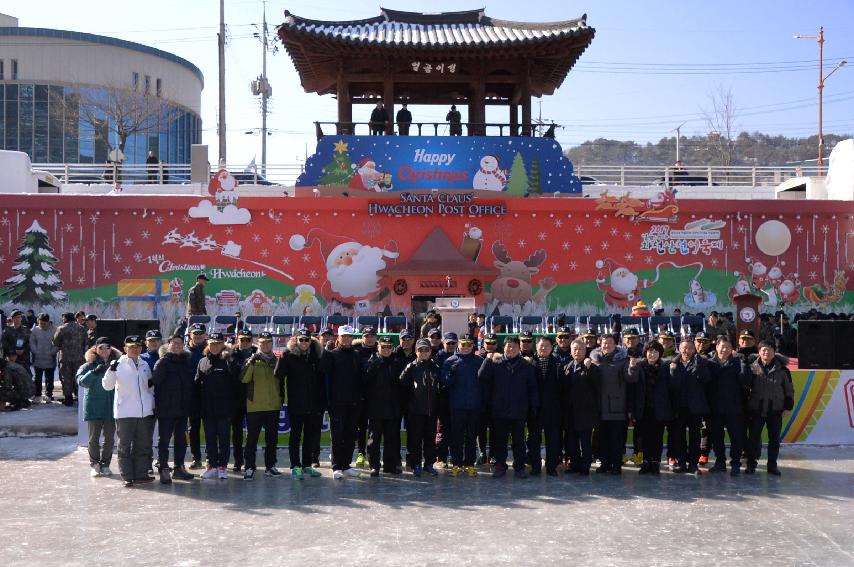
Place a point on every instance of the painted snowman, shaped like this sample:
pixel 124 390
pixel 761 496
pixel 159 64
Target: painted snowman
pixel 490 177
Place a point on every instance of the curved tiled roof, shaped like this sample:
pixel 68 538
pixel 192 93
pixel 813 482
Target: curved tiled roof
pixel 468 29
pixel 103 40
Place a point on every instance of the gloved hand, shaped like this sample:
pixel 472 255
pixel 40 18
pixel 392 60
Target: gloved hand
pixel 114 365
pixel 587 363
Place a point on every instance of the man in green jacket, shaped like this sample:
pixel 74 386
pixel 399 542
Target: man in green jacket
pixel 98 405
pixel 263 404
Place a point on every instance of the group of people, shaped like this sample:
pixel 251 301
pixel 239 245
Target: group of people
pixel 461 404
pixel 379 120
pixel 32 349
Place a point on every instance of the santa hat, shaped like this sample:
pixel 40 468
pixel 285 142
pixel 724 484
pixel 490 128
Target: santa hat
pixel 331 245
pixel 609 265
pixel 365 161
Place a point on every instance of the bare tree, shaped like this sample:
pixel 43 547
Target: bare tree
pixel 117 110
pixel 720 119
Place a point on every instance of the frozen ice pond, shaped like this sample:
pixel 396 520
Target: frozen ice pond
pixel 54 514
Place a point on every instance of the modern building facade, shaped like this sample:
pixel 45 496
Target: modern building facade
pixel 54 88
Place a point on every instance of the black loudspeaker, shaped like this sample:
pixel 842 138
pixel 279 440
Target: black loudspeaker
pixel 140 326
pixel 843 341
pixel 816 344
pixel 113 329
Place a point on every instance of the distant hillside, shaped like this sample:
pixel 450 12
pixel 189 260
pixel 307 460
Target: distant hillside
pixel 747 149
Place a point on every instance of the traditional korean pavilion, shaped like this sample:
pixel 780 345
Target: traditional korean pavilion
pixel 462 58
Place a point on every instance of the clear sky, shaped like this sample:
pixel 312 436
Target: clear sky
pixel 651 66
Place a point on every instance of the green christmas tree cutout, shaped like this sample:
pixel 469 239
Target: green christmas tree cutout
pixel 36 280
pixel 518 184
pixel 534 177
pixel 339 171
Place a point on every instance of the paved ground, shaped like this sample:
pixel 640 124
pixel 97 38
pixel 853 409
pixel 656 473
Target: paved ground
pixel 54 514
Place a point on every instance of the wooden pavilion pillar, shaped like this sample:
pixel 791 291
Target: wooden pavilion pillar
pixel 477 109
pixel 514 119
pixel 526 99
pixel 388 102
pixel 345 106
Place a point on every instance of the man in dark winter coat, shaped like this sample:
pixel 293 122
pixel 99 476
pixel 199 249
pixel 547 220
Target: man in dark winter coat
pixel 509 386
pixel 344 370
pixel 404 120
pixel 198 341
pixel 613 363
pixel 173 398
pixel 382 395
pixel 581 401
pixel 443 431
pixel 379 117
pixel 728 376
pixel 689 375
pixel 772 396
pixel 241 355
pixel 548 415
pixel 301 369
pixel 459 378
pixel 196 303
pixel 420 384
pixel 215 376
pixel 366 347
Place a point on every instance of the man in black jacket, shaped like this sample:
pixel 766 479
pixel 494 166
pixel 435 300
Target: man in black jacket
pixel 344 370
pixel 772 396
pixel 379 117
pixel 547 417
pixel 382 394
pixel 366 347
pixel 241 354
pixel 581 401
pixel 420 383
pixel 404 120
pixel 690 375
pixel 173 398
pixel 509 388
pixel 301 369
pixel 729 375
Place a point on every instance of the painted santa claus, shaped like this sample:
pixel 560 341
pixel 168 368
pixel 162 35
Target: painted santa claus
pixel 775 276
pixel 223 188
pixel 351 267
pixel 741 286
pixel 490 177
pixel 620 286
pixel 758 273
pixel 790 290
pixel 366 177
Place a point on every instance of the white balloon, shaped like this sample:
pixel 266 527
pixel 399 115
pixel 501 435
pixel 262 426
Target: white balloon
pixel 773 238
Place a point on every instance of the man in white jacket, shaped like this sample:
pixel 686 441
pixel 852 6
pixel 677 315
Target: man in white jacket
pixel 133 410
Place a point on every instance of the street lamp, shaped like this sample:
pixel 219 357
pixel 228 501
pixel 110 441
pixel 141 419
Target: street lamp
pixel 821 79
pixel 678 131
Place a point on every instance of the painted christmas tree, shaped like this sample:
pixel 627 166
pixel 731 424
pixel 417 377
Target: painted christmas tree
pixel 534 178
pixel 339 171
pixel 518 184
pixel 36 280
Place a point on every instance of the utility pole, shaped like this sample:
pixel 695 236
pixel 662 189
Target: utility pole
pixel 678 131
pixel 221 45
pixel 821 79
pixel 261 86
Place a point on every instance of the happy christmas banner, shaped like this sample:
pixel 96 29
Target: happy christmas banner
pixel 513 165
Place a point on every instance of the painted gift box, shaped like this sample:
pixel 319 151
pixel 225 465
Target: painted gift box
pixel 149 293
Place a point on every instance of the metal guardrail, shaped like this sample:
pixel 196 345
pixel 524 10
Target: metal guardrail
pixel 700 176
pixel 287 174
pixel 163 174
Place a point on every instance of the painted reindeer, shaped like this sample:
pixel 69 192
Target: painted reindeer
pixel 513 284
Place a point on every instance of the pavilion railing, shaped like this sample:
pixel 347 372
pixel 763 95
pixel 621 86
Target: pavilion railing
pixel 434 129
pixel 686 176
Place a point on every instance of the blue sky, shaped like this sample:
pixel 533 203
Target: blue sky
pixel 652 65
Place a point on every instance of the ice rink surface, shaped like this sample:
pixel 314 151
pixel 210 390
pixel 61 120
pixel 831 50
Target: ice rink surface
pixel 55 514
